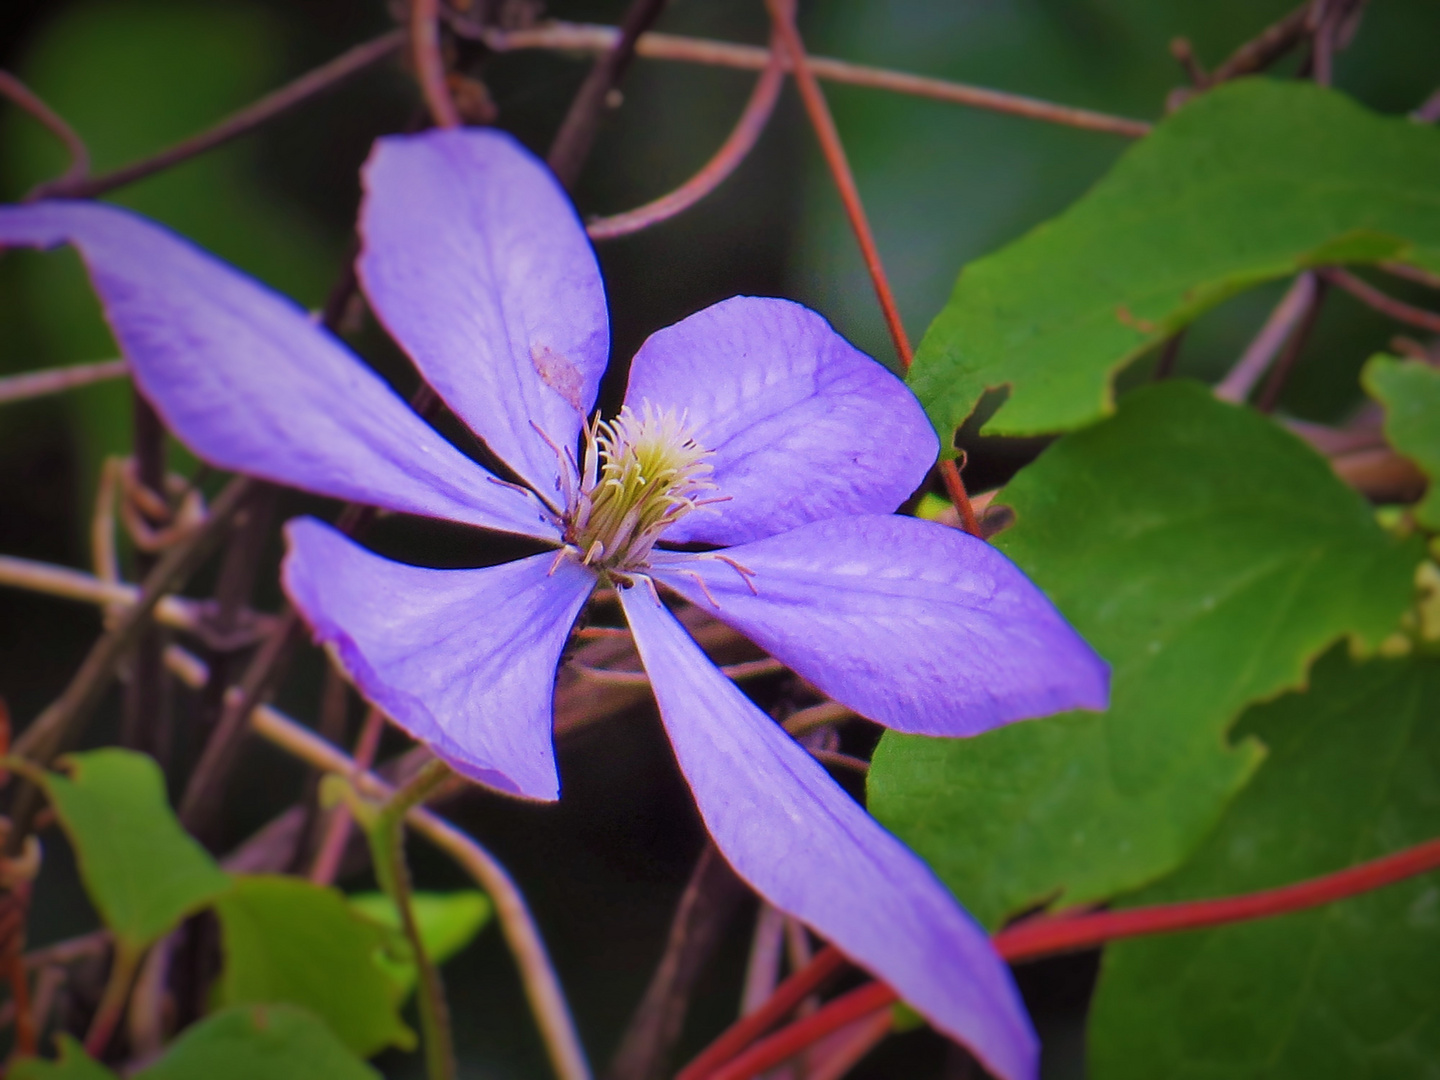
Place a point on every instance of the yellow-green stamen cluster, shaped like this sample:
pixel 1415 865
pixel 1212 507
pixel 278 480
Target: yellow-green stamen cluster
pixel 643 472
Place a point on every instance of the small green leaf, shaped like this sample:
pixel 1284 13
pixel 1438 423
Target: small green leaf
pixel 1337 992
pixel 1250 182
pixel 258 1042
pixel 142 871
pixel 73 1064
pixel 287 940
pixel 1410 392
pixel 448 922
pixel 1209 555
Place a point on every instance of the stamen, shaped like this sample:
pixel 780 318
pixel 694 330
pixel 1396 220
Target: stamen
pixel 563 474
pixel 643 472
pixel 746 574
pixel 699 580
pixel 559 558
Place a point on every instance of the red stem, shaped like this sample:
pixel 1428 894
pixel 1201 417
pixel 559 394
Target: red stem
pixel 733 151
pixel 747 1029
pixel 950 473
pixel 430 64
pixel 789 1041
pixel 1045 935
pixel 834 150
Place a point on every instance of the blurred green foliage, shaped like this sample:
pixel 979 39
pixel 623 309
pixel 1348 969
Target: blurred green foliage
pixel 132 77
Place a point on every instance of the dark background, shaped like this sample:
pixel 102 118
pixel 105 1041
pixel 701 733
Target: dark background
pixel 943 185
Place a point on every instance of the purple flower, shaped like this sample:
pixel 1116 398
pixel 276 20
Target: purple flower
pixel 750 428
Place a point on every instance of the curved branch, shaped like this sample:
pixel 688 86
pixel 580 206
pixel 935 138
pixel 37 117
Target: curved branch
pixel 49 733
pixel 27 99
pixel 1387 305
pixel 236 124
pixel 585 37
pixel 715 171
pixel 62 581
pixel 1241 379
pixel 430 62
pixel 35 384
pixel 578 130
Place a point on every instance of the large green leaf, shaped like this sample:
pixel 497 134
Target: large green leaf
pixel 72 1064
pixel 287 940
pixel 1344 991
pixel 142 871
pixel 250 1042
pixel 1209 556
pixel 1410 392
pixel 448 922
pixel 1248 183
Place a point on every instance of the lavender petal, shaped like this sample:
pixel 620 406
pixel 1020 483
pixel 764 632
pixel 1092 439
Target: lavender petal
pixel 810 850
pixel 915 625
pixel 475 262
pixel 803 425
pixel 249 383
pixel 464 660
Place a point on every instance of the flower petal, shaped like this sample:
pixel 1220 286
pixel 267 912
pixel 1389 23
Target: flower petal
pixel 476 263
pixel 910 623
pixel 464 660
pixel 250 384
pixel 808 848
pixel 804 426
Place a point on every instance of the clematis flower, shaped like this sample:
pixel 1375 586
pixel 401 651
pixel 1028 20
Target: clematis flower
pixel 753 471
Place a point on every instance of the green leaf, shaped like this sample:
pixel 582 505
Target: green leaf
pixel 1410 392
pixel 248 1042
pixel 1342 991
pixel 73 1064
pixel 142 871
pixel 448 922
pixel 287 940
pixel 1209 555
pixel 1250 182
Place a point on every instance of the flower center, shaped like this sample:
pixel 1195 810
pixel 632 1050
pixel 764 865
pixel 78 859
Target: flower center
pixel 643 472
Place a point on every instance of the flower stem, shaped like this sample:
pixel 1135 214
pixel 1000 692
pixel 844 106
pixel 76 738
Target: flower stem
pixel 542 987
pixel 112 1002
pixel 386 833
